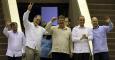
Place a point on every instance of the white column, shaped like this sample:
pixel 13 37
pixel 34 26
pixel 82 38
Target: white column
pixel 14 15
pixel 85 12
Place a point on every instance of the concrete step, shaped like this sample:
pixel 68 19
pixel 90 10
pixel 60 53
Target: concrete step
pixel 112 57
pixel 101 6
pixel 3 45
pixel 3 51
pixel 101 17
pixel 111 46
pixel 112 52
pixel 111 40
pixel 111 35
pixel 3 57
pixel 113 30
pixel 102 11
pixel 3 40
pixel 102 1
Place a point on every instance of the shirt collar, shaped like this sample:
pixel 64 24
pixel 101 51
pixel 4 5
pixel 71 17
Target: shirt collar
pixel 65 28
pixel 80 27
pixel 96 27
pixel 14 33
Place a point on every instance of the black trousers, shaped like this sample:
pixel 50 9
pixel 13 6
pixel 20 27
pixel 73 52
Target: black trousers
pixel 101 56
pixel 81 56
pixel 60 56
pixel 14 58
pixel 43 58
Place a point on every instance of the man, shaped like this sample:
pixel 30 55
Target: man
pixel 16 41
pixel 80 37
pixel 100 39
pixel 60 39
pixel 67 22
pixel 34 34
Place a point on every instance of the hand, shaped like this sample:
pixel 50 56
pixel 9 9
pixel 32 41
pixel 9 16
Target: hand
pixel 84 37
pixel 53 19
pixel 107 19
pixel 23 54
pixel 8 24
pixel 30 6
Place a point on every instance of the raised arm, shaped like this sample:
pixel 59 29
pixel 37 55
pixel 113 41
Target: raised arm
pixel 6 29
pixel 109 26
pixel 26 22
pixel 49 25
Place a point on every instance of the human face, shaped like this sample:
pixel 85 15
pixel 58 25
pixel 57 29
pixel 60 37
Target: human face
pixel 37 20
pixel 61 22
pixel 14 27
pixel 81 21
pixel 66 21
pixel 94 21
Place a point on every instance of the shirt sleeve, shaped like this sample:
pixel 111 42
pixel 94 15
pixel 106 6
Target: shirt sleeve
pixel 44 31
pixel 26 22
pixel 23 42
pixel 109 27
pixel 5 32
pixel 75 37
pixel 49 27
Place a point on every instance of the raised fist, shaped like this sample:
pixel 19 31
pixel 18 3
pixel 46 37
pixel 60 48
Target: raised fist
pixel 30 6
pixel 107 19
pixel 53 19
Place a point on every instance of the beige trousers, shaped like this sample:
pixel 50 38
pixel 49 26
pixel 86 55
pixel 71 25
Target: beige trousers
pixel 31 54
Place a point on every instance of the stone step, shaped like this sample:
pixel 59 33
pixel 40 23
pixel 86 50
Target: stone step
pixel 101 1
pixel 3 51
pixel 111 40
pixel 101 17
pixel 3 40
pixel 100 14
pixel 113 30
pixel 112 57
pixel 3 57
pixel 102 11
pixel 111 35
pixel 3 45
pixel 101 6
pixel 111 45
pixel 1 27
pixel 112 52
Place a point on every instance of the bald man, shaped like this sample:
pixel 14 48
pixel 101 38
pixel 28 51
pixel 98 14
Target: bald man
pixel 100 39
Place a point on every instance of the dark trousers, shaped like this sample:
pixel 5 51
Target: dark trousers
pixel 42 58
pixel 101 56
pixel 14 58
pixel 81 56
pixel 60 56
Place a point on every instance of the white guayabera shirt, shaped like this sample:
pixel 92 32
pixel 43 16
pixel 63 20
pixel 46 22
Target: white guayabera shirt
pixel 81 46
pixel 33 34
pixel 16 43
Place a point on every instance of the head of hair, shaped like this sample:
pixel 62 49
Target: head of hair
pixel 61 17
pixel 94 18
pixel 12 24
pixel 106 17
